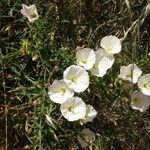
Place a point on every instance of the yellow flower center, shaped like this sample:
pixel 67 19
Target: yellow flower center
pixel 73 79
pixel 84 61
pixel 62 90
pixel 128 75
pixel 95 66
pixel 109 48
pixel 85 137
pixel 146 85
pixel 70 108
pixel 32 14
pixel 136 100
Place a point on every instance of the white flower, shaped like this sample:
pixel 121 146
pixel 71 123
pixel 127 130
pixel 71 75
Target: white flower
pixel 144 84
pixel 77 78
pixel 86 137
pixel 59 91
pixel 111 44
pixel 30 12
pixel 73 109
pixel 90 114
pixel 86 58
pixel 104 61
pixel 140 101
pixel 130 73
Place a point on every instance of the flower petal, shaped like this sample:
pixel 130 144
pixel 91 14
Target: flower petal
pixel 86 137
pixel 90 114
pixel 73 109
pixel 104 61
pixel 130 73
pixel 140 101
pixel 59 91
pixel 111 44
pixel 144 84
pixel 77 78
pixel 86 58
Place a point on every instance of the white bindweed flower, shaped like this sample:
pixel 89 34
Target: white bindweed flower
pixel 130 73
pixel 104 61
pixel 140 101
pixel 86 137
pixel 144 84
pixel 77 78
pixel 30 12
pixel 59 91
pixel 111 44
pixel 73 109
pixel 90 114
pixel 86 58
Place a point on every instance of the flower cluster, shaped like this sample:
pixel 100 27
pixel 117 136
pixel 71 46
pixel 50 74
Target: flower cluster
pixel 132 73
pixel 76 79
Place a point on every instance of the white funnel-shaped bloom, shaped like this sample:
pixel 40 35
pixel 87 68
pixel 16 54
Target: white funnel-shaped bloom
pixel 144 84
pixel 77 78
pixel 130 73
pixel 85 58
pixel 86 137
pixel 30 12
pixel 140 101
pixel 104 61
pixel 59 91
pixel 90 114
pixel 111 44
pixel 73 109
